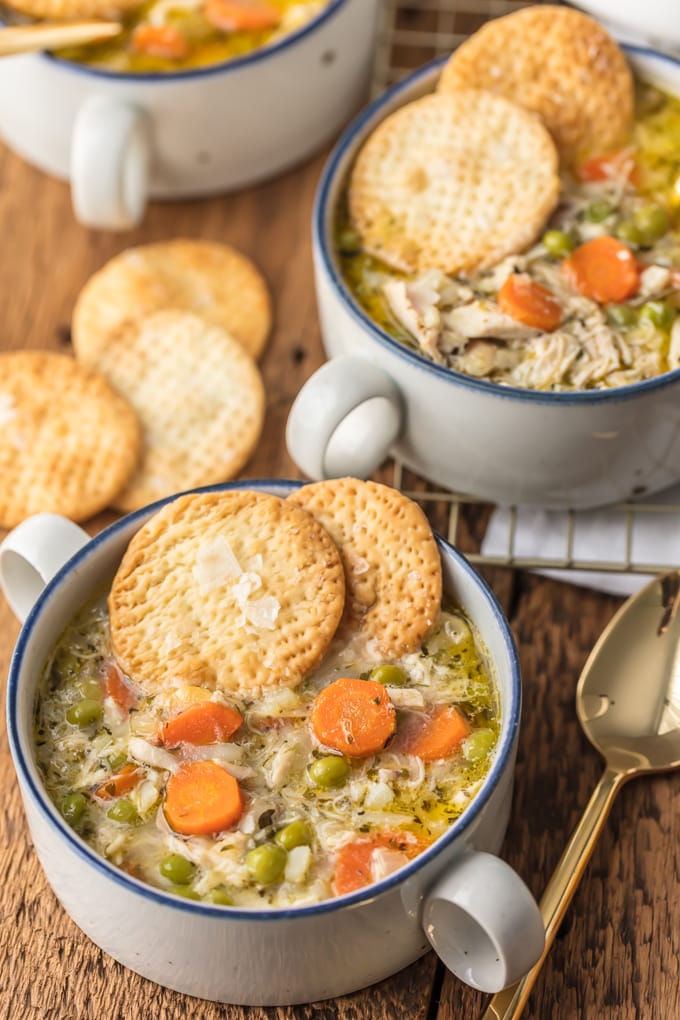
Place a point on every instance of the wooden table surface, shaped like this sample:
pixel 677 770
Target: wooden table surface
pixel 617 955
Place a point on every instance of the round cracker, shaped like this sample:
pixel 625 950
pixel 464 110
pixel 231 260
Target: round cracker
pixel 68 442
pixel 198 395
pixel 454 182
pixel 393 571
pixel 239 591
pixel 209 279
pixel 559 63
pixel 70 10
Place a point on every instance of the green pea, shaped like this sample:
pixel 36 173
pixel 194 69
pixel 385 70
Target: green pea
pixel 185 892
pixel 85 712
pixel 349 242
pixel 266 863
pixel 67 665
pixel 622 315
pixel 651 222
pixel 329 771
pixel 390 676
pixel 89 689
pixel 73 808
pixel 297 833
pixel 627 232
pixel 660 313
pixel 124 812
pixel 478 744
pixel 557 243
pixel 598 211
pixel 177 869
pixel 220 896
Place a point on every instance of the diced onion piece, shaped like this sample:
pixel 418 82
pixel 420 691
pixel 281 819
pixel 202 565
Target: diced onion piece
pixel 406 697
pixel 297 864
pixel 385 861
pixel 378 795
pixel 144 752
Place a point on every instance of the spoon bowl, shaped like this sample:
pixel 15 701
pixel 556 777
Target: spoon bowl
pixel 628 695
pixel 628 704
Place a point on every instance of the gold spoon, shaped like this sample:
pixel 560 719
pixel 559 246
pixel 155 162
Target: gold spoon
pixel 50 36
pixel 628 703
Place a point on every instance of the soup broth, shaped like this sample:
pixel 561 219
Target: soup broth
pixel 314 823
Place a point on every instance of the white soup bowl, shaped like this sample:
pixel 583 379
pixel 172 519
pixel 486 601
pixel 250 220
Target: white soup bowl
pixel 457 895
pixel 499 443
pixel 122 138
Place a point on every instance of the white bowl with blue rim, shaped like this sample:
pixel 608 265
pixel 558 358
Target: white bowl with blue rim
pixel 122 138
pixel 499 443
pixel 457 896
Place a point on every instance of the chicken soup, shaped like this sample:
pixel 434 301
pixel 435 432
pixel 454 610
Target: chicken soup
pixel 280 800
pixel 175 35
pixel 592 305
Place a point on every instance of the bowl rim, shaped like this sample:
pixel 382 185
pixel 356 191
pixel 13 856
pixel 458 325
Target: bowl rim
pixel 221 67
pixel 344 152
pixel 30 781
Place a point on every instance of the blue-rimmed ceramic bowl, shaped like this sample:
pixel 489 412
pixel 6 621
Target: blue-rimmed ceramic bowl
pixel 494 442
pixel 121 137
pixel 457 894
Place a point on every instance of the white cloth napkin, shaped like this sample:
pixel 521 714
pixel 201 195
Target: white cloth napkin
pixel 598 536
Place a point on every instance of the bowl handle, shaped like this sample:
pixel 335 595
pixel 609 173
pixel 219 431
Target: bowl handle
pixel 344 419
pixel 110 155
pixel 483 922
pixel 32 554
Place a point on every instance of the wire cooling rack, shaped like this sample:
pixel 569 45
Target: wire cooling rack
pixel 411 34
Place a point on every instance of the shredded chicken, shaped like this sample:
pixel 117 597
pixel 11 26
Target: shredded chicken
pixel 484 319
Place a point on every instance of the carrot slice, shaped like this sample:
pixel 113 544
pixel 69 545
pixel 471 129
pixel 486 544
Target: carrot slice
pixel 353 860
pixel 241 15
pixel 353 716
pixel 603 269
pixel 528 302
pixel 207 722
pixel 606 167
pixel 119 690
pixel 202 798
pixel 159 41
pixel 436 735
pixel 119 783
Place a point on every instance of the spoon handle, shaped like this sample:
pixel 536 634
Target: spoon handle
pixel 41 36
pixel 509 1003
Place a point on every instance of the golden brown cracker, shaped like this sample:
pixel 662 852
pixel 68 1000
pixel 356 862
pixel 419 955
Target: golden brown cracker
pixel 454 182
pixel 198 395
pixel 559 63
pixel 211 280
pixel 237 590
pixel 392 566
pixel 68 441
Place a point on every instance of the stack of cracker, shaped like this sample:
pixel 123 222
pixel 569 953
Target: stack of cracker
pixel 462 178
pixel 244 592
pixel 164 394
